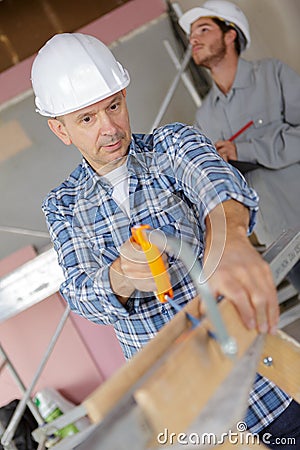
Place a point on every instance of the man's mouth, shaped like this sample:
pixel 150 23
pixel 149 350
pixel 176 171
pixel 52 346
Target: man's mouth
pixel 197 47
pixel 113 145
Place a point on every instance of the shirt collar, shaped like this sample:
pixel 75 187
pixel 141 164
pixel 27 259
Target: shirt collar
pixel 137 160
pixel 90 179
pixel 242 79
pixel 136 164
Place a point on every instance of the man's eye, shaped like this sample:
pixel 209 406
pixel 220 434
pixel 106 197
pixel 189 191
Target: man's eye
pixel 86 119
pixel 200 29
pixel 114 106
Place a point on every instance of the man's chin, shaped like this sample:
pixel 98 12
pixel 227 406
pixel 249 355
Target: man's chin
pixel 198 59
pixel 201 62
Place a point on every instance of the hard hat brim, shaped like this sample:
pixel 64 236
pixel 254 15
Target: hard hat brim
pixel 192 15
pixel 91 101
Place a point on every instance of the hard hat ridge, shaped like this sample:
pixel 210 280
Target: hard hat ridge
pixel 74 70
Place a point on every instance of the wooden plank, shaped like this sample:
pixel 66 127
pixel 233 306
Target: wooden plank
pixel 99 403
pixel 103 399
pixel 179 370
pixel 285 368
pixel 189 376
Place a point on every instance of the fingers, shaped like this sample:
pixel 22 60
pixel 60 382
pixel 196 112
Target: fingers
pixel 132 252
pixel 221 149
pixel 226 149
pixel 134 265
pixel 253 293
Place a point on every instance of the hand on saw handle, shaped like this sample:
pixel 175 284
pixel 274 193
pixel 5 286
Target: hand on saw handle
pixel 135 255
pixel 156 262
pixel 164 291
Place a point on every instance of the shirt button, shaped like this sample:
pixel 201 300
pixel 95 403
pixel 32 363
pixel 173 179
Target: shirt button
pixel 164 311
pixel 260 121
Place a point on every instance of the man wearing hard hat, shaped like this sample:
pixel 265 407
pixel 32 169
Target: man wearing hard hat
pixel 172 180
pixel 251 114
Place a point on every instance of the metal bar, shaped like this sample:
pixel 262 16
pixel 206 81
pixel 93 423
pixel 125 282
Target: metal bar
pixel 21 386
pixel 289 316
pixel 172 88
pixel 285 293
pixel 128 430
pixel 41 445
pixel 11 445
pixel 24 231
pixel 177 9
pixel 29 284
pixel 283 254
pixel 71 442
pixel 71 416
pixel 184 76
pixel 12 426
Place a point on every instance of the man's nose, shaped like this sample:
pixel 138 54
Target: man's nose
pixel 108 126
pixel 194 37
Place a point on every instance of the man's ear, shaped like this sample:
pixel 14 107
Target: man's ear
pixel 230 36
pixel 124 92
pixel 59 129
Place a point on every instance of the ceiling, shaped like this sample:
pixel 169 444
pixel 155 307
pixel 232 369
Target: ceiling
pixel 25 25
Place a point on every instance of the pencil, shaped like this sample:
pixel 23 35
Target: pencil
pixel 244 128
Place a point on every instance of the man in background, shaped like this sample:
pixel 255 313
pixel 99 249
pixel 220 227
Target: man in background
pixel 265 95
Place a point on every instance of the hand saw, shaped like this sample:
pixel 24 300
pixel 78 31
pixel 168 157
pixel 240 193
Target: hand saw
pixel 119 409
pixel 164 291
pixel 181 249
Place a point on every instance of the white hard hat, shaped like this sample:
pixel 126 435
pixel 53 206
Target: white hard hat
pixel 221 9
pixel 74 70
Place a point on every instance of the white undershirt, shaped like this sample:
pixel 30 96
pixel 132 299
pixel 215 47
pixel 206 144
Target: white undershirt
pixel 119 179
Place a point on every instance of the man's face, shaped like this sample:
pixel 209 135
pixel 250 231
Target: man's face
pixel 208 44
pixel 101 132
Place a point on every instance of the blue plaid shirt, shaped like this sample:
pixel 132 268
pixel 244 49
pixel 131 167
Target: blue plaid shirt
pixel 175 179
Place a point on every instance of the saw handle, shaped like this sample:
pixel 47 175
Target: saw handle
pixel 155 262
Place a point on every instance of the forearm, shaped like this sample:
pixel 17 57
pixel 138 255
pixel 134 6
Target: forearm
pixel 278 147
pixel 235 269
pixel 227 222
